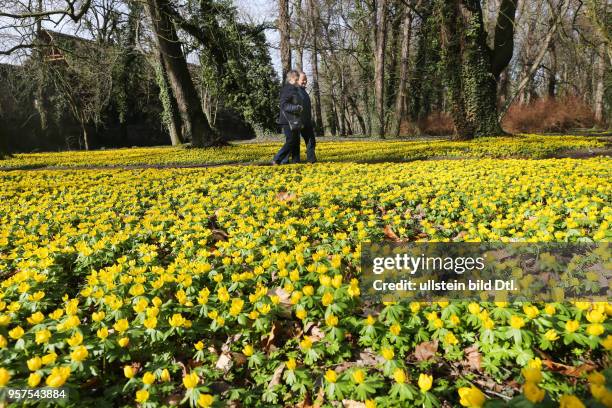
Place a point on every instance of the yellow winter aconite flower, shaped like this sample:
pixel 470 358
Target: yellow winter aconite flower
pixel 34 363
pixel 474 308
pixel 425 382
pixel 128 371
pixel 75 340
pixel 571 326
pixel 199 346
pixel 79 354
pixel 450 338
pixel 387 353
pixel 36 318
pixel 16 333
pixel 177 320
pixel 191 380
pixel 531 311
pixel 595 329
pixel 370 403
pixel 331 320
pixel 596 378
pixel 165 375
pixel 551 335
pixel 42 336
pixel 58 376
pixel 5 376
pixel 98 316
pixel 34 380
pixel 150 323
pixel 399 376
pixel 306 343
pixel 327 299
pixel 148 378
pixel 570 401
pixel 102 333
pixel 291 364
pixel 516 322
pixel 4 342
pixel 607 342
pixel 49 358
pixel 248 350
pixel 205 400
pixel 533 393
pixel 532 374
pixel 142 396
pixel 471 397
pixel 330 376
pixel 358 376
pixel 124 341
pixel 595 316
pixel 121 325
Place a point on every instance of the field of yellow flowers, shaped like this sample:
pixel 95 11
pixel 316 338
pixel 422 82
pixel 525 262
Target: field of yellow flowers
pixel 238 286
pixel 522 146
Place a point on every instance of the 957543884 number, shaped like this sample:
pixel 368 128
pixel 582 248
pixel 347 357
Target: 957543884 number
pixel 34 394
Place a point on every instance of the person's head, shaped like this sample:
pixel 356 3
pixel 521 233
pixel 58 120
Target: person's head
pixel 303 80
pixel 292 77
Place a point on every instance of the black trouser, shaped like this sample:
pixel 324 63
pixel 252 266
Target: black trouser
pixel 309 138
pixel 292 141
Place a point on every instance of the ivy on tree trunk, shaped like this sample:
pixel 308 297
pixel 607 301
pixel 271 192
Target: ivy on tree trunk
pixel 471 67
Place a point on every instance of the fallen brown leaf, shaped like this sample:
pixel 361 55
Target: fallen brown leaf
pixel 426 350
pixel 285 196
pixel 224 363
pixel 276 377
pixel 569 370
pixel 285 298
pixel 473 358
pixel 219 235
pixel 320 398
pixel 353 404
pixel 390 234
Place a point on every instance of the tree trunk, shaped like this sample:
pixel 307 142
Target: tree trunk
pixel 171 117
pixel 451 60
pixel 284 29
pixel 314 66
pixel 299 34
pixel 552 72
pixel 84 132
pixel 599 89
pixel 379 67
pixel 478 79
pixel 472 68
pixel 400 100
pixel 357 113
pixel 195 124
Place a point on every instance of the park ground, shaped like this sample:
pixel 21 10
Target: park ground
pixel 160 275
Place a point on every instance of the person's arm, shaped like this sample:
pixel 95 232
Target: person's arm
pixel 286 105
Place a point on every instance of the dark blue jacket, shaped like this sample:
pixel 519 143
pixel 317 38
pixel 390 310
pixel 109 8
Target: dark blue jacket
pixel 307 111
pixel 290 104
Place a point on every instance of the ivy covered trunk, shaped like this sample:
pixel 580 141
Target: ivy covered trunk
pixel 471 67
pixel 195 124
pixel 170 115
pixel 479 84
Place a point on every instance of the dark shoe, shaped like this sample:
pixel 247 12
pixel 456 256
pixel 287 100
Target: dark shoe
pixel 274 163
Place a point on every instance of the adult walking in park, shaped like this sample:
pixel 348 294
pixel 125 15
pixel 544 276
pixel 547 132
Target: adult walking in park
pixel 290 119
pixel 308 129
